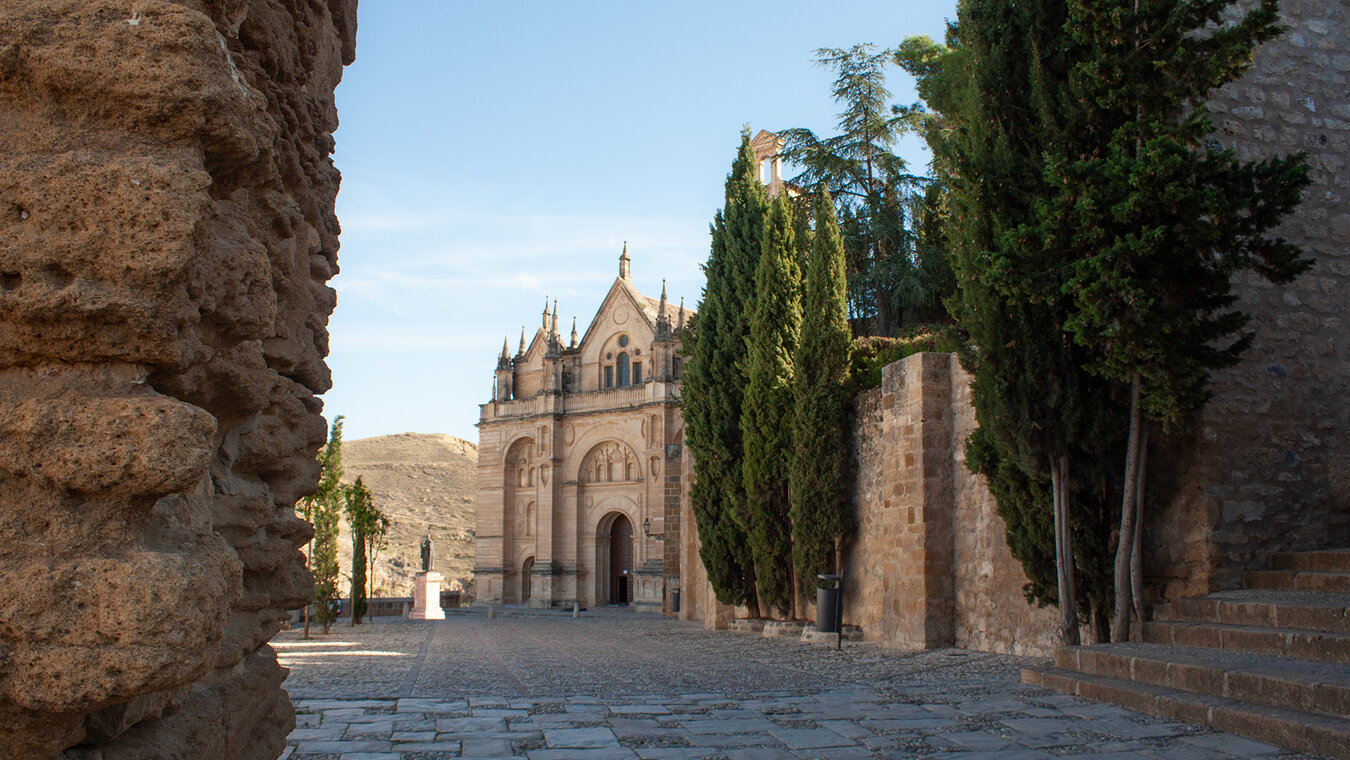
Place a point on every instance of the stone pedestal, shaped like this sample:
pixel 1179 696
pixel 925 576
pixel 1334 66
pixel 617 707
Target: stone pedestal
pixel 427 597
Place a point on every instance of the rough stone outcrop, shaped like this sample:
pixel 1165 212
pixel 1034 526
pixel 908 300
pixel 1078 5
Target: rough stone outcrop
pixel 166 234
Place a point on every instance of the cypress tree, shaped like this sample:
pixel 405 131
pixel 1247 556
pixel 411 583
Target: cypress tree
pixel 820 508
pixel 1161 220
pixel 1001 108
pixel 324 509
pixel 714 345
pixel 768 408
pixel 359 512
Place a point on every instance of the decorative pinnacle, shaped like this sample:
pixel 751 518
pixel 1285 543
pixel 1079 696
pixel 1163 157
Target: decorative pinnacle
pixel 545 312
pixel 624 261
pixel 574 333
pixel 661 308
pixel 522 341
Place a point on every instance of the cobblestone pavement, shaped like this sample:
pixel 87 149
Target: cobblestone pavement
pixel 617 684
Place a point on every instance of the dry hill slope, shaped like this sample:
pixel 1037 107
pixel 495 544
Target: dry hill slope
pixel 424 483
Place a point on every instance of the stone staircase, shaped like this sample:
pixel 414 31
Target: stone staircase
pixel 1270 662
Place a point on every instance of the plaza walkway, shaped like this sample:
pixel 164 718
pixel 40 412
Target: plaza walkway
pixel 617 684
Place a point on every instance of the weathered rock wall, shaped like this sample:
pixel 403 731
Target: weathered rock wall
pixel 1270 470
pixel 166 233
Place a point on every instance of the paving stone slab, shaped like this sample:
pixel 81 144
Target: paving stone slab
pixel 568 738
pixel 469 725
pixel 315 747
pixel 809 738
pixel 601 753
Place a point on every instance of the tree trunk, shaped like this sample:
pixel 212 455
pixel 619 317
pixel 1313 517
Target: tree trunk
pixel 1068 608
pixel 1137 550
pixel 1120 624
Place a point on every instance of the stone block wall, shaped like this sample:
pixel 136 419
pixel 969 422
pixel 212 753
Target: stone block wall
pixel 1270 467
pixel 166 234
pixel 929 566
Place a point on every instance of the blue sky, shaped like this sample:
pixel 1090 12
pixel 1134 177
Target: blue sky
pixel 497 153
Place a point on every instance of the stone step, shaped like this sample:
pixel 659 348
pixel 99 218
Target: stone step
pixel 1298 580
pixel 1294 729
pixel 1306 645
pixel 1306 685
pixel 1330 560
pixel 1267 608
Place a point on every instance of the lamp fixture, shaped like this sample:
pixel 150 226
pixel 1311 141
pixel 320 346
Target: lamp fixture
pixel 647 531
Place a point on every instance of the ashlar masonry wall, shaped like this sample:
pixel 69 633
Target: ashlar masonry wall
pixel 930 566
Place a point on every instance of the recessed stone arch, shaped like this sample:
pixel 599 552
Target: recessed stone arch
pixel 615 552
pixel 518 497
pixel 610 462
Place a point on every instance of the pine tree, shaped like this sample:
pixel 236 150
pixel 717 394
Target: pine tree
pixel 873 189
pixel 714 345
pixel 1162 221
pixel 768 408
pixel 820 508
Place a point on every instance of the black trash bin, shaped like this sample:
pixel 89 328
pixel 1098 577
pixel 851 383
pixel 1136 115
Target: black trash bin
pixel 829 611
pixel 827 599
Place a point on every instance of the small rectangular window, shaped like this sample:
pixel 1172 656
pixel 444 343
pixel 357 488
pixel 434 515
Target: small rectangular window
pixel 609 377
pixel 637 373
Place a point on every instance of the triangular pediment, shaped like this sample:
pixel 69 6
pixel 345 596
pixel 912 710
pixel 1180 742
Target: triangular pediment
pixel 622 294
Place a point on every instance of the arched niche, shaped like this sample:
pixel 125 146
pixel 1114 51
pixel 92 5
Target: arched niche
pixel 610 462
pixel 518 493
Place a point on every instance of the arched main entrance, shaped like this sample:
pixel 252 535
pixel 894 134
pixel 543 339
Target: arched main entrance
pixel 525 579
pixel 614 559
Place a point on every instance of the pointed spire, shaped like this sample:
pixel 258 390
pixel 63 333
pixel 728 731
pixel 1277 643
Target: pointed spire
pixel 661 308
pixel 553 323
pixel 545 312
pixel 505 355
pixel 680 325
pixel 574 333
pixel 624 262
pixel 522 341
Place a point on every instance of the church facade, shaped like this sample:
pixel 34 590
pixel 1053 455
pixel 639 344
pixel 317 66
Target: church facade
pixel 579 460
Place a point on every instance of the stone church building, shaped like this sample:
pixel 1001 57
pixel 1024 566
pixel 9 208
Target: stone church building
pixel 579 459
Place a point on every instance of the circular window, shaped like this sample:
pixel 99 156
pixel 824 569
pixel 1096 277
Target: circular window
pixel 623 341
pixel 637 352
pixel 609 356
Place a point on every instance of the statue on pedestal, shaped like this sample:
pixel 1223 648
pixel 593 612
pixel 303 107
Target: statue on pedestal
pixel 426 554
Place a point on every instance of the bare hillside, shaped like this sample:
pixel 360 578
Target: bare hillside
pixel 424 483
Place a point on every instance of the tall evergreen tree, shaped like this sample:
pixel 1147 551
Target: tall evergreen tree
pixel 323 509
pixel 873 188
pixel 768 408
pixel 820 508
pixel 1161 221
pixel 999 110
pixel 359 509
pixel 714 345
